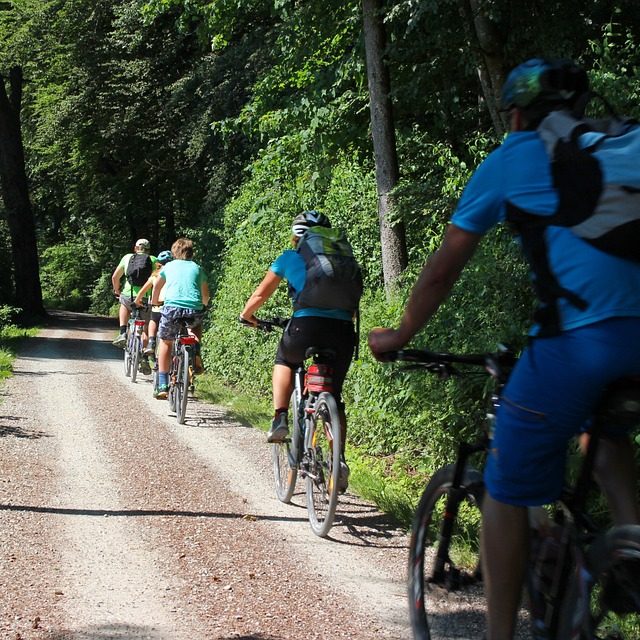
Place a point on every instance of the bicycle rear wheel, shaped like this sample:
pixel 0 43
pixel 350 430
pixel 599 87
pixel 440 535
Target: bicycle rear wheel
pixel 127 357
pixel 446 597
pixel 135 357
pixel 322 468
pixel 173 387
pixel 182 384
pixel 284 474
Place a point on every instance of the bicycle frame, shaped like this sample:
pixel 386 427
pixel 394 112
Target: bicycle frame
pixel 562 604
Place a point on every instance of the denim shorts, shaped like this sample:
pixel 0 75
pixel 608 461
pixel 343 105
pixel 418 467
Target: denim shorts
pixel 169 325
pixel 549 398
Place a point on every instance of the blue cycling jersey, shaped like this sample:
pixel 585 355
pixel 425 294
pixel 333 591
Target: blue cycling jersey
pixel 518 172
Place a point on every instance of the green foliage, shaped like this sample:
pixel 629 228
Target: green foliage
pixel 10 335
pixel 67 274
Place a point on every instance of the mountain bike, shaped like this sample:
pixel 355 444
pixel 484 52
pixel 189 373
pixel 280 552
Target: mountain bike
pixel 314 448
pixel 133 348
pixel 583 576
pixel 181 368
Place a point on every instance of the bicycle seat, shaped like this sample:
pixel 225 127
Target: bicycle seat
pixel 620 404
pixel 321 354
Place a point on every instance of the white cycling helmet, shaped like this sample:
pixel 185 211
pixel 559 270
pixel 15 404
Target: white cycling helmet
pixel 308 219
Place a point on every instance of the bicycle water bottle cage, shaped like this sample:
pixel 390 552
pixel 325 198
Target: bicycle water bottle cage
pixel 319 378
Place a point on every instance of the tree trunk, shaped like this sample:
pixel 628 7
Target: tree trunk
pixel 15 195
pixel 392 237
pixel 491 72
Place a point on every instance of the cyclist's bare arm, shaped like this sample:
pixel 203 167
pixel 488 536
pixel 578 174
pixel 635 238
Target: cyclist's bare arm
pixel 115 279
pixel 262 293
pixel 204 293
pixel 147 286
pixel 436 280
pixel 157 288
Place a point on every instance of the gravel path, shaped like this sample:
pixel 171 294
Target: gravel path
pixel 117 523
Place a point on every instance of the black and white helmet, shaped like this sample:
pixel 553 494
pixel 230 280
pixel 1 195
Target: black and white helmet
pixel 308 219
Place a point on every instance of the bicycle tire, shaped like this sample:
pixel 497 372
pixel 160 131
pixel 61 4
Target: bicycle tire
pixel 451 604
pixel 322 469
pixel 127 357
pixel 284 474
pixel 135 357
pixel 182 384
pixel 173 372
pixel 614 560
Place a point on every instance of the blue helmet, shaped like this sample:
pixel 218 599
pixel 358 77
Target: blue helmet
pixel 539 82
pixel 164 257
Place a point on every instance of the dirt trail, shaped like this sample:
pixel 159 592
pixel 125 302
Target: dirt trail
pixel 117 523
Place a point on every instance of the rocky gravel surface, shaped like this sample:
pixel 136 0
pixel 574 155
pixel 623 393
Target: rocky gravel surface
pixel 118 523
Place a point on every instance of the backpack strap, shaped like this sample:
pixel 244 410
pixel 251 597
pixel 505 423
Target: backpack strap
pixel 531 229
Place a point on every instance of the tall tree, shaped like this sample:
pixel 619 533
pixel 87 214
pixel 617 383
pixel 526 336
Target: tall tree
pixel 392 235
pixel 15 194
pixel 490 44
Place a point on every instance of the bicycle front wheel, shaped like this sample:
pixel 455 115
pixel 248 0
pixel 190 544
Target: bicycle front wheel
pixel 446 598
pixel 322 465
pixel 135 357
pixel 182 384
pixel 284 474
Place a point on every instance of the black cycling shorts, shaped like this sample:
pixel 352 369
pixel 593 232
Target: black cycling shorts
pixel 325 333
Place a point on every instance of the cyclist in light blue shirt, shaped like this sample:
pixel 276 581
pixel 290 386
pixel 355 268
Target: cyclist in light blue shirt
pixel 186 293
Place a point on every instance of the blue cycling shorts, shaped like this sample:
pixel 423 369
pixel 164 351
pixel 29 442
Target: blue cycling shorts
pixel 549 398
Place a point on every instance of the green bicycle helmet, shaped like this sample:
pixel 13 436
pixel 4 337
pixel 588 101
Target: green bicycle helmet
pixel 540 83
pixel 308 219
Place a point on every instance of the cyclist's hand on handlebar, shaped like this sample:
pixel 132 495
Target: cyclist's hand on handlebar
pixel 248 322
pixel 382 340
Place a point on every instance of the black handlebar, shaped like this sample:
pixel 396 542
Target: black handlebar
pixel 266 325
pixel 498 364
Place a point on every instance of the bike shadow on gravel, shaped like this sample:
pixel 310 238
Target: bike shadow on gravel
pixel 205 415
pixel 129 632
pixel 147 513
pixel 358 523
pixel 16 431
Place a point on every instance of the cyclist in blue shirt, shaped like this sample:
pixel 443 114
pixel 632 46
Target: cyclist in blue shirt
pixel 309 326
pixel 575 350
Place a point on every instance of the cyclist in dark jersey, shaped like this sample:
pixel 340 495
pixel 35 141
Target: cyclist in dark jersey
pixel 562 373
pixel 325 328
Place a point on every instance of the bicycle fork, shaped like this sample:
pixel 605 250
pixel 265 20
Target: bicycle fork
pixel 444 571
